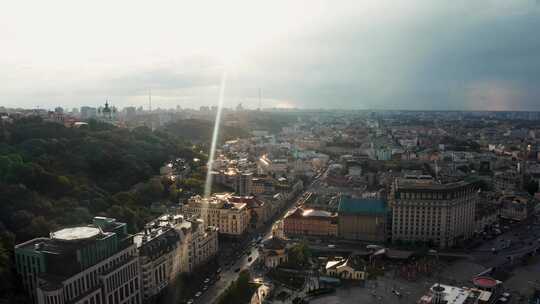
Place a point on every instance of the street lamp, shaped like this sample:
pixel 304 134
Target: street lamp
pixel 436 253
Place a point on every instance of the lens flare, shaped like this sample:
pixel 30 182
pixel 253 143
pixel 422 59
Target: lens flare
pixel 215 136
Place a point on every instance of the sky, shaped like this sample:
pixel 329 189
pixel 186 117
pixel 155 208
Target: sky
pixel 361 54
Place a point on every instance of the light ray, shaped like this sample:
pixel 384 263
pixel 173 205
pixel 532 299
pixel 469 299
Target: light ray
pixel 215 136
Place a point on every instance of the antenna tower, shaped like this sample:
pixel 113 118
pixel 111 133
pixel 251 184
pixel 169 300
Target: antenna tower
pixel 260 108
pixel 150 100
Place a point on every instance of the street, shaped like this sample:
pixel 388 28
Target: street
pixel 238 260
pixel 236 256
pixel 523 238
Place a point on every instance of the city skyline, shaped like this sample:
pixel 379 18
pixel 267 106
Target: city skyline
pixel 369 55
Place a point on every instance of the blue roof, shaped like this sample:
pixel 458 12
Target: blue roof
pixel 361 206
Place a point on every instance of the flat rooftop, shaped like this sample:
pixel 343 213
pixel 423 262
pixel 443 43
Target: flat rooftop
pixel 76 233
pixel 361 206
pixel 426 184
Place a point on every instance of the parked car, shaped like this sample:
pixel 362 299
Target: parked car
pixel 198 294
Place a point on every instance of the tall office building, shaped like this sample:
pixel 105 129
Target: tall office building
pixel 426 211
pixel 92 264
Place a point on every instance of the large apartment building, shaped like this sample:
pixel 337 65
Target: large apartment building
pixel 426 211
pixel 171 245
pixel 94 264
pixel 231 218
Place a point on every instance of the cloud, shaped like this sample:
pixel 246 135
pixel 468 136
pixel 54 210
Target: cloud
pixel 482 55
pixel 427 59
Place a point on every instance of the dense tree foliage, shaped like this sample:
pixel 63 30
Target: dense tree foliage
pixel 52 176
pixel 240 291
pixel 299 256
pixel 531 187
pixel 201 130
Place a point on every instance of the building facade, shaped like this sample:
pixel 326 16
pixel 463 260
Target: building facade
pixel 203 243
pixel 362 219
pixel 90 264
pixel 517 206
pixel 261 185
pixel 259 210
pixel 159 246
pixel 507 181
pixel 274 252
pixel 244 184
pixel 352 268
pixel 232 219
pixel 169 246
pixel 426 211
pixel 310 222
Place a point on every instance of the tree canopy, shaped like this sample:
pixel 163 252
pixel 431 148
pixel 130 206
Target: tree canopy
pixel 52 176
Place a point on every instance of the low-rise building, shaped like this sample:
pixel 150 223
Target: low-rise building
pixel 362 219
pixel 439 294
pixel 262 185
pixel 507 181
pixel 310 222
pixel 517 206
pixel 272 166
pixel 351 268
pixel 274 252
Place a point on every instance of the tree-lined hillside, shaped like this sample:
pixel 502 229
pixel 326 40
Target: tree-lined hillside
pixel 52 176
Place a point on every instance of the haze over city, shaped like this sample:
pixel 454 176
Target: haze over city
pixel 455 55
pixel 270 152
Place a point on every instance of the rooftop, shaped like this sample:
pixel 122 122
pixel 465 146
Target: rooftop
pixel 76 233
pixel 316 213
pixel 361 206
pixel 456 295
pixel 485 282
pixel 423 184
pixel 219 200
pixel 274 243
pixel 300 213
